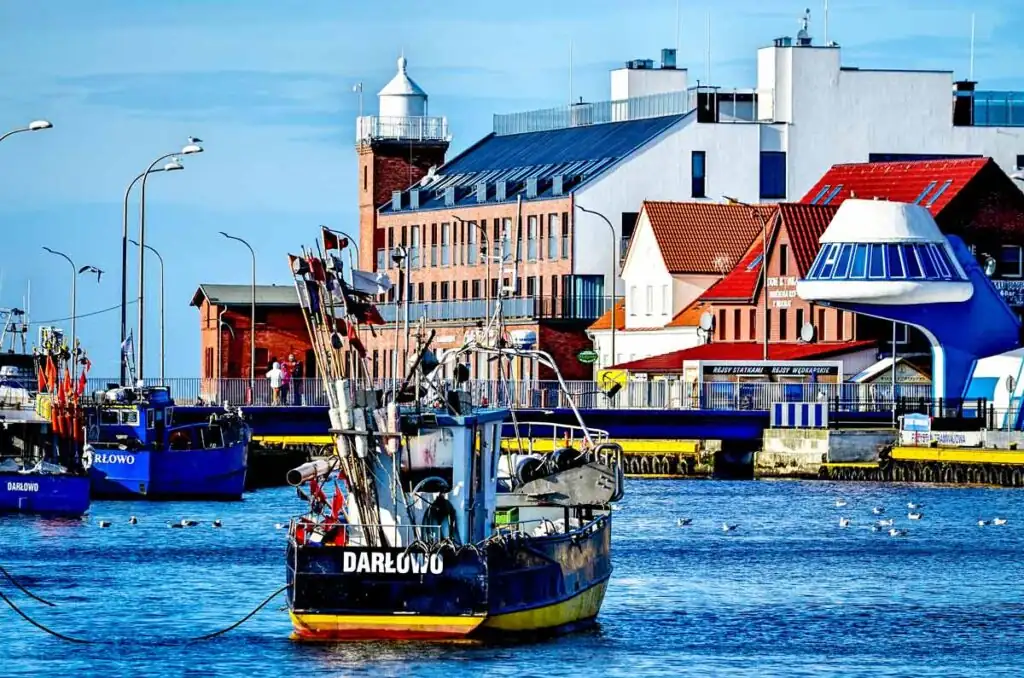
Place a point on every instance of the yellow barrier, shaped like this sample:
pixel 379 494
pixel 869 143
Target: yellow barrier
pixel 958 455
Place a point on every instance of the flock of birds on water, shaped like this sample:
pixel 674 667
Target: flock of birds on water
pixel 183 523
pixel 879 525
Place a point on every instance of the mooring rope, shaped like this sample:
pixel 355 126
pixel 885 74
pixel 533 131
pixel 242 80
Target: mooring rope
pixel 86 641
pixel 22 588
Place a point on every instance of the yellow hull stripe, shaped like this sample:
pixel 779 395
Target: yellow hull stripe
pixel 395 622
pixel 294 440
pixel 958 455
pixel 582 606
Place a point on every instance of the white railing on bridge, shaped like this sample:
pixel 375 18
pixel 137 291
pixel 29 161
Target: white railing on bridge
pixel 752 396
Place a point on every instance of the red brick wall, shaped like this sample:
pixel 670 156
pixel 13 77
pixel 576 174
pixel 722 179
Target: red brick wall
pixel 564 343
pixel 283 333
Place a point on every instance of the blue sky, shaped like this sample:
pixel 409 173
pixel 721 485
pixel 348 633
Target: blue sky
pixel 268 85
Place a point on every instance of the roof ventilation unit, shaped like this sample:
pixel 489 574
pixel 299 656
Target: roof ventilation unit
pixel 396 200
pixel 414 199
pixel 556 184
pixel 481 191
pixel 531 187
pixel 449 196
pixel 499 190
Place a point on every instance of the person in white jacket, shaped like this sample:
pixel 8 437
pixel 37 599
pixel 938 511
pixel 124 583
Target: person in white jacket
pixel 276 378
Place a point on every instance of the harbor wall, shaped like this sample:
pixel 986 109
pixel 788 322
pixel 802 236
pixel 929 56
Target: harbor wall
pixel 800 452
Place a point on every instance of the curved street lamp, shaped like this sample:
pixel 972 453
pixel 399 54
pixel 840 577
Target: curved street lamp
pixel 75 271
pixel 614 278
pixel 252 320
pixel 33 126
pixel 172 166
pixel 161 259
pixel 192 148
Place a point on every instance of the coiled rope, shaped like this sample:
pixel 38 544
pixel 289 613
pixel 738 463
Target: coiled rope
pixel 87 641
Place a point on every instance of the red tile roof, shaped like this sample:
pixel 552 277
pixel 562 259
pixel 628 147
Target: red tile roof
pixel 605 321
pixel 741 283
pixel 804 225
pixel 743 350
pixel 899 181
pixel 700 237
pixel 689 316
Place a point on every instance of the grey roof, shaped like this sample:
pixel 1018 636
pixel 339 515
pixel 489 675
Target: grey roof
pixel 233 295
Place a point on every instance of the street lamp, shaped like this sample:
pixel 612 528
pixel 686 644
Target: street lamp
pixel 192 147
pixel 75 271
pixel 33 126
pixel 756 210
pixel 351 243
pixel 172 166
pixel 161 259
pixel 613 278
pixel 252 319
pixel 399 255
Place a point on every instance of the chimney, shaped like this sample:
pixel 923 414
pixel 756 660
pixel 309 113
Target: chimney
pixel 668 58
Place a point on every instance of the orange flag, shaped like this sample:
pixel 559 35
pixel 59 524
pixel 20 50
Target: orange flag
pixel 82 378
pixel 51 374
pixel 41 385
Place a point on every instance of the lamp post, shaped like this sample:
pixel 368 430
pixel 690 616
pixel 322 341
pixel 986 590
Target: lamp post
pixel 399 255
pixel 75 271
pixel 191 148
pixel 161 259
pixel 252 319
pixel 756 210
pixel 351 243
pixel 172 166
pixel 34 126
pixel 611 228
pixel 485 250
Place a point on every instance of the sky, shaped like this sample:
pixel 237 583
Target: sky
pixel 268 86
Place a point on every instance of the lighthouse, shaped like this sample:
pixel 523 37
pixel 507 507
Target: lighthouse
pixel 396 148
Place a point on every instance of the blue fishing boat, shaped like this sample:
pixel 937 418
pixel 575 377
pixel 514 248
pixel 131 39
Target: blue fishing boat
pixel 136 450
pixel 42 470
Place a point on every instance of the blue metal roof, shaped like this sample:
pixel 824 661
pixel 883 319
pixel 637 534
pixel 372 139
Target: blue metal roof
pixel 578 154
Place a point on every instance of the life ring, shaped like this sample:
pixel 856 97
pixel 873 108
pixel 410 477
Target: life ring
pixel 88 455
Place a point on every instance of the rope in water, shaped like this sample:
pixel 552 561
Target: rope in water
pixel 86 641
pixel 22 588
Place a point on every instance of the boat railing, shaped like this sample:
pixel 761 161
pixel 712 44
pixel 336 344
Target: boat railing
pixel 570 435
pixel 355 534
pixel 554 526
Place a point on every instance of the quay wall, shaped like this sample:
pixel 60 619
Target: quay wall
pixel 800 453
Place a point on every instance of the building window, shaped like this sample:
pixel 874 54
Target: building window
pixel 768 326
pixel 366 178
pixel 736 314
pixel 433 244
pixel 799 322
pixel 471 246
pixel 531 286
pixel 752 328
pixel 465 289
pixel 1020 162
pixel 457 239
pixel 419 292
pixel 476 289
pixel 783 324
pixel 531 238
pixel 821 324
pixel 208 367
pixel 783 259
pixel 506 240
pixel 721 325
pixel 262 359
pixel 433 291
pixel 414 248
pixel 1010 264
pixel 650 299
pixel 494 288
pixel 634 301
pixel 445 244
pixel 841 326
pixel 553 231
pixel 554 286
pixel 773 175
pixel 666 305
pixel 565 235
pixel 698 168
pixel 444 291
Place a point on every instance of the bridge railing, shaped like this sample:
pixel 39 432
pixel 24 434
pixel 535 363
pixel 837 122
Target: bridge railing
pixel 654 394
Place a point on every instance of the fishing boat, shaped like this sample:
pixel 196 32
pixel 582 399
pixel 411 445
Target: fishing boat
pixel 441 524
pixel 42 468
pixel 136 450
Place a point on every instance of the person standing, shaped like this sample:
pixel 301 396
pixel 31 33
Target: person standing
pixel 276 378
pixel 286 381
pixel 295 370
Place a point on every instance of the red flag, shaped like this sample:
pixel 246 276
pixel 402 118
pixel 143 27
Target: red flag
pixel 337 502
pixel 317 492
pixel 51 374
pixel 66 385
pixel 82 379
pixel 316 267
pixel 373 316
pixel 297 264
pixel 354 341
pixel 42 380
pixel 332 241
pixel 56 420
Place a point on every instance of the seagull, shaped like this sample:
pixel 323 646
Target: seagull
pixel 683 522
pixel 133 521
pixel 195 140
pixel 217 523
pixel 278 526
pixel 911 505
pixel 897 533
pixel 999 521
pixel 185 522
pixel 844 522
pixel 884 523
pixel 840 503
pixel 915 516
pixel 982 523
pixel 175 525
pixel 104 523
pixel 726 527
pixel 878 510
pixel 876 528
pixel 92 269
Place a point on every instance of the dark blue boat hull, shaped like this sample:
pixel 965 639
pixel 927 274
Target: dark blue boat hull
pixel 58 495
pixel 213 473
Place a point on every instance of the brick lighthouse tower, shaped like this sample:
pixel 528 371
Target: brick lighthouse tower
pixel 396 148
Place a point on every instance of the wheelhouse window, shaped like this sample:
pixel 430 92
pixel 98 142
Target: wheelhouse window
pixel 1011 264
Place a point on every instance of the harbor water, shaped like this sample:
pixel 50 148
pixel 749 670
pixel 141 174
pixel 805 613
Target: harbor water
pixel 787 593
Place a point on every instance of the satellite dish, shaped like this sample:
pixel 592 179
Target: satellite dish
pixel 807 332
pixel 1011 384
pixel 707 321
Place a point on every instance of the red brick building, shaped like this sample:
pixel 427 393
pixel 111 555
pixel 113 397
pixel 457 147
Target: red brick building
pixel 225 323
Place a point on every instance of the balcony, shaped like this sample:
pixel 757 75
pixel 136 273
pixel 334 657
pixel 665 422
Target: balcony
pixel 516 308
pixel 421 128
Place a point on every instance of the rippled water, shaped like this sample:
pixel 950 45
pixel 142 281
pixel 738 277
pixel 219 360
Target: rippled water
pixel 788 593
